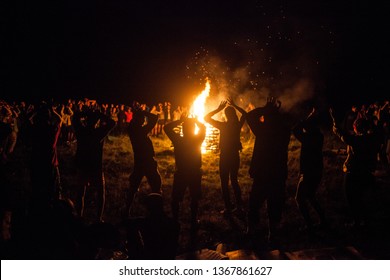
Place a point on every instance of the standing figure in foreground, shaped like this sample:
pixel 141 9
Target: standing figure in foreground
pixel 230 147
pixel 188 159
pixel 311 166
pixel 362 159
pixel 269 164
pixel 45 176
pixel 91 129
pixel 144 163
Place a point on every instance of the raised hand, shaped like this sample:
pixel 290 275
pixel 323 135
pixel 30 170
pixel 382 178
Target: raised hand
pixel 273 103
pixel 231 102
pixel 222 105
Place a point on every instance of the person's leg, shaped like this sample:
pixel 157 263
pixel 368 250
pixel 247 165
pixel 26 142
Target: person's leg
pixel 224 176
pixel 275 204
pixel 257 198
pixel 195 183
pixel 178 190
pixel 234 166
pixel 353 191
pixel 315 181
pixel 100 185
pixel 153 177
pixel 58 191
pixel 81 193
pixel 134 180
pixel 301 199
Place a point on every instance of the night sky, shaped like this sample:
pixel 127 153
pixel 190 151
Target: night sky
pixel 118 51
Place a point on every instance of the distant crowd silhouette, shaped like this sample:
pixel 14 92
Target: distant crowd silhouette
pixel 52 225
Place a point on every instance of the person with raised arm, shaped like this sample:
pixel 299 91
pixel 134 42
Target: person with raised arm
pixel 230 147
pixel 268 166
pixel 145 165
pixel 188 159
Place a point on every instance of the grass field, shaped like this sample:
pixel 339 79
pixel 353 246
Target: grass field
pixel 372 241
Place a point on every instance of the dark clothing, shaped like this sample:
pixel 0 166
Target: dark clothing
pixel 349 121
pixel 268 166
pixel 188 158
pixel 271 191
pixel 183 180
pixel 140 141
pixel 150 171
pixel 89 156
pixel 312 140
pixel 229 137
pixel 363 152
pixel 90 141
pixel 188 155
pixel 359 169
pixel 357 186
pixel 44 144
pixel 44 163
pixel 229 164
pixel 5 185
pixel 306 193
pixel 308 185
pixel 269 159
pixel 311 167
pixel 121 124
pixel 229 161
pixel 121 117
pixel 5 131
pixel 144 162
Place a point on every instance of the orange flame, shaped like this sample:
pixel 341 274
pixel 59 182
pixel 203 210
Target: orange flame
pixel 198 110
pixel 198 107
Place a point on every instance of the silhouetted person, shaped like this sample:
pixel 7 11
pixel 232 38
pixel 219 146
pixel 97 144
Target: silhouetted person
pixel 230 147
pixel 67 127
pixel 5 172
pixel 311 166
pixel 362 160
pixel 155 236
pixel 91 128
pixel 188 159
pixel 161 119
pixel 144 163
pixel 168 114
pixel 349 120
pixel 45 175
pixel 121 124
pixel 383 124
pixel 268 166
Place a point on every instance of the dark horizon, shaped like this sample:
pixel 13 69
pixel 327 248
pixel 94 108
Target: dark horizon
pixel 122 51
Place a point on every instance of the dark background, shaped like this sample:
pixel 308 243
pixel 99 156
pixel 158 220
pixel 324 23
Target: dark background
pixel 118 51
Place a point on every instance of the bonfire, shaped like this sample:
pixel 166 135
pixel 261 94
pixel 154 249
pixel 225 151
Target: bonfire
pixel 198 110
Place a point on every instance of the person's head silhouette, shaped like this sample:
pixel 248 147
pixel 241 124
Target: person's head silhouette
pixel 189 127
pixel 138 118
pixel 230 114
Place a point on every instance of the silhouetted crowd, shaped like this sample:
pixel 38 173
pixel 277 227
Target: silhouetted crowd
pixel 51 226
